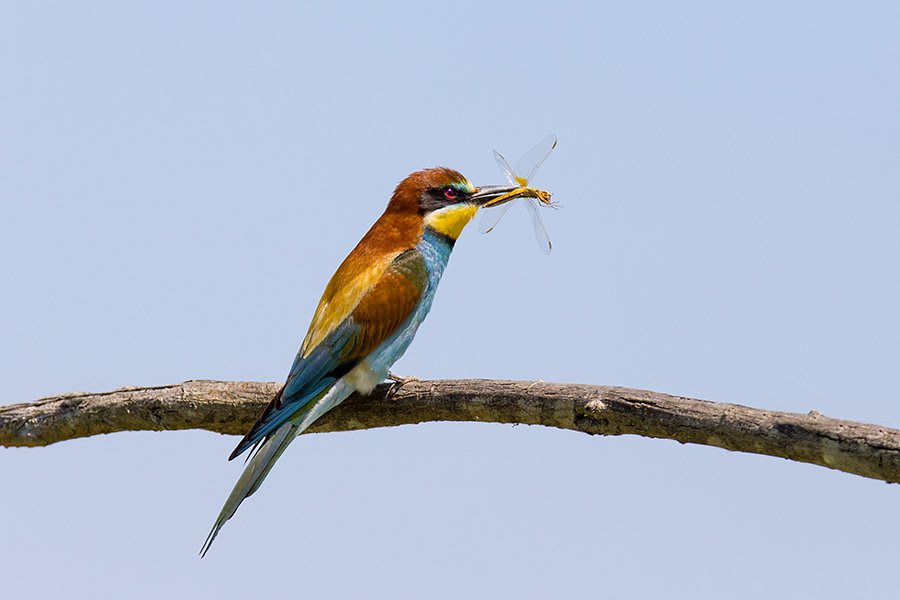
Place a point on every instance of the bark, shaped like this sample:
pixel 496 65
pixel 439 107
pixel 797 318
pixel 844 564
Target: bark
pixel 230 407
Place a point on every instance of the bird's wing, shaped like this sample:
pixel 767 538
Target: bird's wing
pixel 378 313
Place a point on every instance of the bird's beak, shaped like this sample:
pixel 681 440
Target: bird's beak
pixel 495 195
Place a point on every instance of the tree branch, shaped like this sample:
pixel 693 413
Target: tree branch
pixel 231 408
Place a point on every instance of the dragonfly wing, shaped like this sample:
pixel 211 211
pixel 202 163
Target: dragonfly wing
pixel 540 232
pixel 507 170
pixel 491 216
pixel 525 170
pixel 534 158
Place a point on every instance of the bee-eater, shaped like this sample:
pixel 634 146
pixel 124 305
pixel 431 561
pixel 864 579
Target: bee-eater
pixel 367 316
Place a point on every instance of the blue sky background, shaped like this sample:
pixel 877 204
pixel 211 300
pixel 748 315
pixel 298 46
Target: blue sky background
pixel 179 182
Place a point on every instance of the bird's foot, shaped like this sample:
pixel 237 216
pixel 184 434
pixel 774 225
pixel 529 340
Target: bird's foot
pixel 399 382
pixel 400 379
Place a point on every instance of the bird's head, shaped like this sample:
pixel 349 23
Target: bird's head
pixel 444 199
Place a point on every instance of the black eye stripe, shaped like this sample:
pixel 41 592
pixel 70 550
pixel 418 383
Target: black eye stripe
pixel 435 198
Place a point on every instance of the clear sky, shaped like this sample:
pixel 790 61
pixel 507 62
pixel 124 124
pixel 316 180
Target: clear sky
pixel 179 181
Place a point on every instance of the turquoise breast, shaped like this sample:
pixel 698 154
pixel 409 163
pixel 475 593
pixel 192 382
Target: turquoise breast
pixel 435 249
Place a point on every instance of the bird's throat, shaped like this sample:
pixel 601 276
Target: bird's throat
pixel 451 220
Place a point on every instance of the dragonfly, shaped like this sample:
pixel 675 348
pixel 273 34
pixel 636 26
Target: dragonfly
pixel 525 170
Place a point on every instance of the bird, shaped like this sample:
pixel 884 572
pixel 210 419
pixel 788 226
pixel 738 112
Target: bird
pixel 367 316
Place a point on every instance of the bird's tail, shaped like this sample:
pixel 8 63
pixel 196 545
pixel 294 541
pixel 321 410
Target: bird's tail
pixel 263 457
pixel 258 466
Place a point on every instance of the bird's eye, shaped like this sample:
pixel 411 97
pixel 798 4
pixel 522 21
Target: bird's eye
pixel 450 193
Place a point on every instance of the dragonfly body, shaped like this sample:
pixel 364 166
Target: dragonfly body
pixel 524 171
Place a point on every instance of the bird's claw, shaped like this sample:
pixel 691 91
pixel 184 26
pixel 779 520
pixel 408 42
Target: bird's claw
pixel 400 379
pixel 399 382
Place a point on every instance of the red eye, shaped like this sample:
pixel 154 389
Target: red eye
pixel 450 194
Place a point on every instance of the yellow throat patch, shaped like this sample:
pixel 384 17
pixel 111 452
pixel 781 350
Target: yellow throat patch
pixel 451 220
